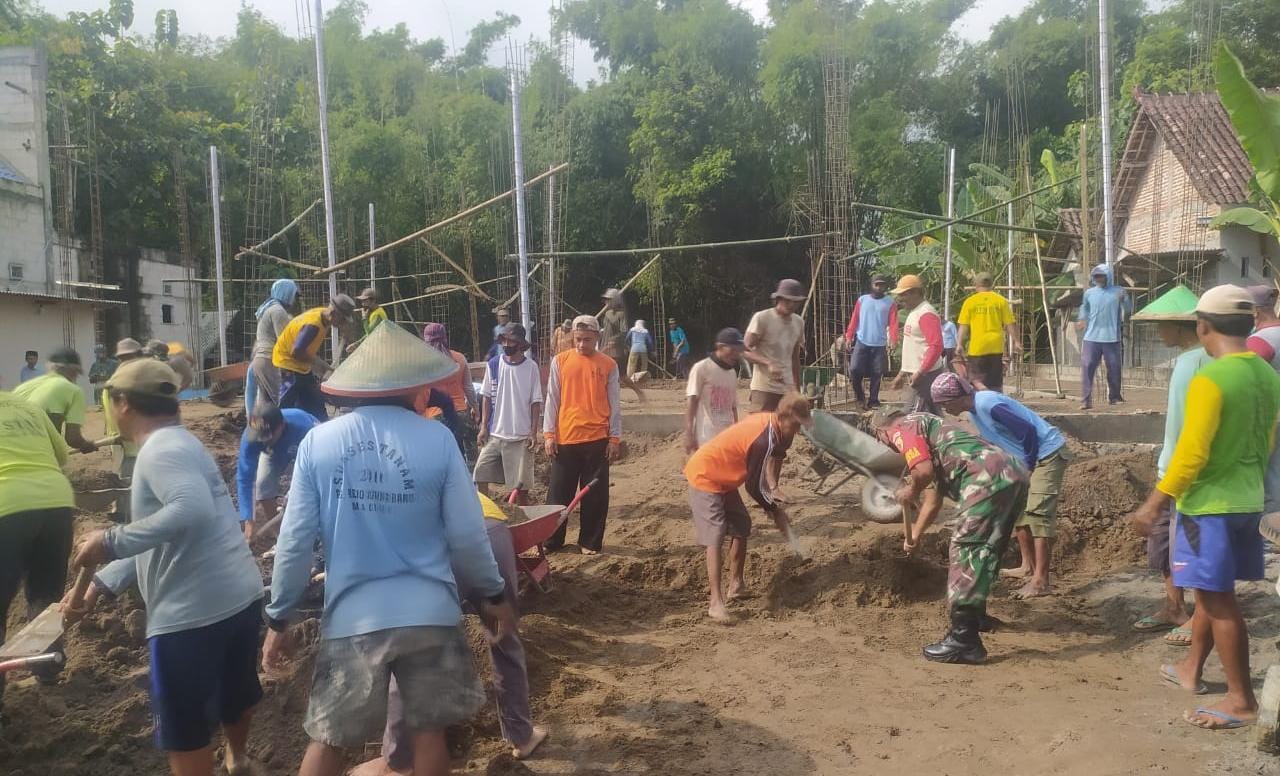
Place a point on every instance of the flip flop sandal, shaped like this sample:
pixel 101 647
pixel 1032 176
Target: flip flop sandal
pixel 1231 722
pixel 1151 623
pixel 1179 636
pixel 1171 676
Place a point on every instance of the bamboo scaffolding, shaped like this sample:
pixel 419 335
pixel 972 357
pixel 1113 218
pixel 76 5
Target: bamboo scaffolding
pixel 254 250
pixel 516 295
pixel 965 220
pixel 297 280
pixel 408 238
pixel 674 248
pixel 632 280
pixel 286 262
pixel 466 275
pixel 445 288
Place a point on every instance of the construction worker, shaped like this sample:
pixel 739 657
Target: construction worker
pixel 774 343
pixel 1265 341
pixel 268 447
pixel 100 370
pixel 373 312
pixel 562 337
pixel 871 333
pixel 1101 318
pixel 36 504
pixel 127 349
pixel 460 390
pixel 58 395
pixel 922 346
pixel 750 453
pixel 639 347
pixel 614 341
pixel 1018 431
pixel 200 584
pixel 262 384
pixel 30 367
pixel 511 417
pixel 1215 480
pixel 582 430
pixel 176 359
pixel 400 538
pixel 985 318
pixel 990 488
pixel 297 354
pixel 712 391
pixel 680 349
pixel 503 317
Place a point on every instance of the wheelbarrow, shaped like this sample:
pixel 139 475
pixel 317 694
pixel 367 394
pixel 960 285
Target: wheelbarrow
pixel 529 537
pixel 844 452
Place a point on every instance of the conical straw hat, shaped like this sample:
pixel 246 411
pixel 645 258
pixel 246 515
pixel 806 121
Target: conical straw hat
pixel 1176 304
pixel 389 362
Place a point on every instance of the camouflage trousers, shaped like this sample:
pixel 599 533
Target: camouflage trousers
pixel 979 541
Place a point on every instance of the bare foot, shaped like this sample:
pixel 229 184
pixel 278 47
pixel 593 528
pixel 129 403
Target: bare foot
pixel 1021 572
pixel 586 551
pixel 1033 589
pixel 1221 716
pixel 718 613
pixel 524 750
pixel 374 767
pixel 245 766
pixel 738 593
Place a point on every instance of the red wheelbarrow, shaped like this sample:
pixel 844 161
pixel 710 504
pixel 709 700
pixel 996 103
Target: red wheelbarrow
pixel 529 536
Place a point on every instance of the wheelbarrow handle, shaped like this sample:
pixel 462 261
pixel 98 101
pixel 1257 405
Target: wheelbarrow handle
pixel 578 496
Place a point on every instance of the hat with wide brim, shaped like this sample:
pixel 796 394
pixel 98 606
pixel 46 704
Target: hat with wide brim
pixel 389 362
pixel 1176 304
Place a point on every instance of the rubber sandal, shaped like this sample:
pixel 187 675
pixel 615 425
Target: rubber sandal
pixel 1179 636
pixel 1151 623
pixel 1168 674
pixel 1231 722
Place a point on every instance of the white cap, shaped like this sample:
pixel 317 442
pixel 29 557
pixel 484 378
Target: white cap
pixel 1226 300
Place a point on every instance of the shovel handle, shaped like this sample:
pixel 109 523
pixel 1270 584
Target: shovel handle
pixel 81 587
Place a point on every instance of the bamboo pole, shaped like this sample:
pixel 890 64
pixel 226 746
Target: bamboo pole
pixel 286 262
pixel 965 220
pixel 674 248
pixel 280 233
pixel 516 295
pixel 1044 303
pixel 445 288
pixel 1085 248
pixel 466 275
pixel 632 280
pixel 408 238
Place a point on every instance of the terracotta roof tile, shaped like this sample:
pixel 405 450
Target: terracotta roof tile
pixel 1200 135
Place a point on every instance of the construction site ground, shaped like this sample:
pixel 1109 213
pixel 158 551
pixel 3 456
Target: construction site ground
pixel 820 673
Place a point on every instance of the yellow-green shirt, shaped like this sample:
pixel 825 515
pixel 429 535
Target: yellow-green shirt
pixel 375 317
pixel 112 430
pixel 56 395
pixel 986 313
pixel 31 456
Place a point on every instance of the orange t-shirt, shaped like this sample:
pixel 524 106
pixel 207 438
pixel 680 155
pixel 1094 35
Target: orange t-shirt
pixel 455 384
pixel 584 397
pixel 735 454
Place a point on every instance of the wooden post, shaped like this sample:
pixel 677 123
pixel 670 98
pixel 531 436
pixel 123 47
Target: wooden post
pixel 1085 249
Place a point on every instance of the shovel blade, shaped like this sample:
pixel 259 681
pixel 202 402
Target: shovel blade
pixel 37 636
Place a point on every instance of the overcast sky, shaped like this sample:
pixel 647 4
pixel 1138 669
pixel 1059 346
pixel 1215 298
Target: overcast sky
pixel 446 19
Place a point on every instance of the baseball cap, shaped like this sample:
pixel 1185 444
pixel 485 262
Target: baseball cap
pixel 790 289
pixel 729 336
pixel 983 280
pixel 128 347
pixel 368 295
pixel 906 283
pixel 65 356
pixel 587 322
pixel 266 418
pixel 343 303
pixel 1226 300
pixel 879 277
pixel 1263 294
pixel 147 377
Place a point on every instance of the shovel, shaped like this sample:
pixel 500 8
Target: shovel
pixel 41 634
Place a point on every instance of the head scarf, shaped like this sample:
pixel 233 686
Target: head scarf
pixel 283 292
pixel 948 386
pixel 437 336
pixel 639 326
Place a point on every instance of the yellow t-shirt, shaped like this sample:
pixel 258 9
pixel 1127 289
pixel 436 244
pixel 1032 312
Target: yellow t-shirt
pixel 56 395
pixel 490 508
pixel 31 456
pixel 308 325
pixel 109 425
pixel 376 316
pixel 986 313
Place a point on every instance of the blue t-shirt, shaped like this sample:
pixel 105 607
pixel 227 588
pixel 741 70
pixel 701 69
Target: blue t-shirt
pixel 679 341
pixel 641 341
pixel 1004 422
pixel 873 320
pixel 389 496
pixel 1103 311
pixel 296 425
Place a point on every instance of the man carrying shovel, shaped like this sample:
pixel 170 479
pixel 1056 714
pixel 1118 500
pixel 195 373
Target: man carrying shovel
pixel 199 582
pixel 990 487
pixel 750 453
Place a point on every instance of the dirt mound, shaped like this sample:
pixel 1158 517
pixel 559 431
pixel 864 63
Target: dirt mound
pixel 1097 497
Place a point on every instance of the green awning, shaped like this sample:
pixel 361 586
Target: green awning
pixel 1176 304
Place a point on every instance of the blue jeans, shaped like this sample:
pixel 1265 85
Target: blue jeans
pixel 1090 355
pixel 867 363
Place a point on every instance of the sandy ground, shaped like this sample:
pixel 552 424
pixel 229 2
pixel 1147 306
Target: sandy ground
pixel 820 674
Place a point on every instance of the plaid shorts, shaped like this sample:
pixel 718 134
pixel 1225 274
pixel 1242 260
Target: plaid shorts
pixel 432 667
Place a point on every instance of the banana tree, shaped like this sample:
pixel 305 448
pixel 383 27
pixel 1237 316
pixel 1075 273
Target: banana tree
pixel 1256 118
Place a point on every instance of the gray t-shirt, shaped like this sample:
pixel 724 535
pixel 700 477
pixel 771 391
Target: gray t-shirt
pixel 183 545
pixel 269 327
pixel 779 338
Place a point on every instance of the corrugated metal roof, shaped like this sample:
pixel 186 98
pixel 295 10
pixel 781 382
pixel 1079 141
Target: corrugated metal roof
pixel 55 298
pixel 8 173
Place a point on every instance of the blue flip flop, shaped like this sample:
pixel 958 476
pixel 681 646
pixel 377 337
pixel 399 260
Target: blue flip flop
pixel 1168 674
pixel 1232 722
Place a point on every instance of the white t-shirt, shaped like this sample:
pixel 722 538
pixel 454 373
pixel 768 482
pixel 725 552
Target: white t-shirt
pixel 513 389
pixel 717 392
pixel 778 341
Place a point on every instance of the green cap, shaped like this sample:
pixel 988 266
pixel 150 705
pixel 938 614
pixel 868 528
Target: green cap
pixel 1176 304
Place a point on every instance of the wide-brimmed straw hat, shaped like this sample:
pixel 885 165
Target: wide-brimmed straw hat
pixel 389 362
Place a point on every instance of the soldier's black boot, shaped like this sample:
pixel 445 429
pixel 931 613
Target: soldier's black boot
pixel 962 644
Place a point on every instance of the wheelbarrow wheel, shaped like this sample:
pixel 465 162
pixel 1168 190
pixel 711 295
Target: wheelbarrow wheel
pixel 878 501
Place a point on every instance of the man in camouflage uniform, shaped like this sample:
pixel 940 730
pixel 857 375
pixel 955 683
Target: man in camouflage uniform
pixel 989 485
